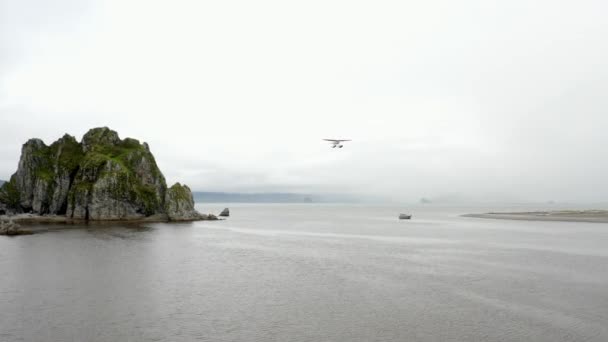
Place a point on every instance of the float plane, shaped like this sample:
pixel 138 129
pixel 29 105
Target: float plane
pixel 336 142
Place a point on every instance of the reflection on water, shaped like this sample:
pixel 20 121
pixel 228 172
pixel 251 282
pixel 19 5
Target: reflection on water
pixel 309 273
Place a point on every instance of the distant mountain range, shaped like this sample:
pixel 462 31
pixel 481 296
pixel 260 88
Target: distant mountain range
pixel 231 197
pixel 266 197
pixel 2 182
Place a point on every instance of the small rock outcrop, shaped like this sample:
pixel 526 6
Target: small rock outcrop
pixel 225 212
pixel 180 204
pixel 100 178
pixel 8 227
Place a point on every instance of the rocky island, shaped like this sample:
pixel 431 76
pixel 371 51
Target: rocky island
pixel 101 178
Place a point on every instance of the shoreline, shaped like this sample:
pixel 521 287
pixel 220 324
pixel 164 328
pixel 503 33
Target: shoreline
pixel 60 219
pixel 590 216
pixel 27 224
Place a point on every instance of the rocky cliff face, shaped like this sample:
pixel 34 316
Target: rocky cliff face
pixel 101 178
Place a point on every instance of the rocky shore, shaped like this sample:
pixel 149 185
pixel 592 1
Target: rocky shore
pixel 10 228
pixel 600 216
pixel 101 178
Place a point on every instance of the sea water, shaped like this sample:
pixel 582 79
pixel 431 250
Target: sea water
pixel 309 272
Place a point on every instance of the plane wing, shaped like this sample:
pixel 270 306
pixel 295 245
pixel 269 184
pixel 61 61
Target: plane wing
pixel 337 140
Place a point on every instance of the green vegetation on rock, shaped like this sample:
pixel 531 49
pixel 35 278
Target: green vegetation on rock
pixel 9 194
pixel 179 200
pixel 101 178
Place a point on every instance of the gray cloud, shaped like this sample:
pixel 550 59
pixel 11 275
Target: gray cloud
pixel 470 99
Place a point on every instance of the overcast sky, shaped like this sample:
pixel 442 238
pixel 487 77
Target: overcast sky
pixel 475 99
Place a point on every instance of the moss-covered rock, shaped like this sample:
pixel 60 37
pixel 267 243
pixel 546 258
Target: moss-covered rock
pixel 180 203
pixel 10 196
pixel 101 178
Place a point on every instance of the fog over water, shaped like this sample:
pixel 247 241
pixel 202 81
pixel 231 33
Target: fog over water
pixel 470 100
